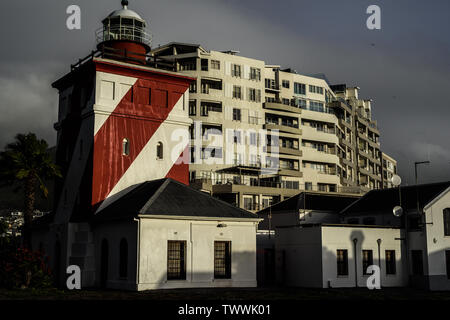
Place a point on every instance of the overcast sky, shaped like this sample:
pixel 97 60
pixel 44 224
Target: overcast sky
pixel 404 67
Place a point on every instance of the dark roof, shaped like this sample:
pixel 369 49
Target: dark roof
pixel 171 198
pixel 313 201
pixel 386 199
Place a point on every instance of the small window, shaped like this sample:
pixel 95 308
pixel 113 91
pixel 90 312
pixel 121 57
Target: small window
pixel 123 259
pixel 176 260
pixel 222 259
pixel 193 107
pixel 285 84
pixel 390 262
pixel 215 64
pixel 447 222
pixel 125 147
pixel 160 151
pixel 237 114
pixel 367 260
pixel 342 262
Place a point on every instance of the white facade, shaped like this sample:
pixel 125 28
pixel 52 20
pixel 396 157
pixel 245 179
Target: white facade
pixel 148 237
pixel 310 255
pixel 436 269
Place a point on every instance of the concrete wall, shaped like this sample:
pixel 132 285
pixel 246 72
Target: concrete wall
pixel 437 243
pixel 199 237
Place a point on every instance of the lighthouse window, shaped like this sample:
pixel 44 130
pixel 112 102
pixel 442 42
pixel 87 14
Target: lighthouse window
pixel 125 147
pixel 159 151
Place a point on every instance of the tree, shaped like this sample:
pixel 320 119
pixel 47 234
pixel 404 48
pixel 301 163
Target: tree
pixel 27 160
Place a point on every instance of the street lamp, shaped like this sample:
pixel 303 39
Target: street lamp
pixel 397 211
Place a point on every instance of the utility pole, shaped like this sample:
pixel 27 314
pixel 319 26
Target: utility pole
pixel 417 188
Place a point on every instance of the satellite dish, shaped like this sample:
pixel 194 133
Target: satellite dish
pixel 397 211
pixel 396 180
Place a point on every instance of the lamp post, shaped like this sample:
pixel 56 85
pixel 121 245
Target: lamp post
pixel 398 212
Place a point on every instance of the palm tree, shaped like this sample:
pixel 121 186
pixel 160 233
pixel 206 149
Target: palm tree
pixel 27 160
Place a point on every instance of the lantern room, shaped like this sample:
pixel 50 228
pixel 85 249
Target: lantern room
pixel 123 35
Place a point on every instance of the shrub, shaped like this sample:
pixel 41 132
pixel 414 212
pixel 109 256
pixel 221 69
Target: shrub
pixel 22 268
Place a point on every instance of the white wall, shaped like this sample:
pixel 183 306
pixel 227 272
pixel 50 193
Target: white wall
pixel 199 237
pixel 437 243
pixel 334 238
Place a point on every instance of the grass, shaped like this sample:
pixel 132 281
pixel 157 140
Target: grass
pixel 268 294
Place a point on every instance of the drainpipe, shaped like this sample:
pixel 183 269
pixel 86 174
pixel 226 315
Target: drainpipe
pixel 379 257
pixel 138 250
pixel 355 241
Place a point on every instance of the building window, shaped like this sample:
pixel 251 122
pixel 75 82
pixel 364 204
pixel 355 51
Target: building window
pixel 193 87
pixel 123 259
pixel 299 88
pixel 193 107
pixel 237 114
pixel 254 95
pixel 390 262
pixel 255 74
pixel 204 64
pixel 367 260
pixel 222 259
pixel 176 260
pixel 215 64
pixel 159 151
pixel 447 262
pixel 417 262
pixel 237 92
pixel 125 147
pixel 342 262
pixel 236 70
pixel 285 84
pixel 447 222
pixel 308 186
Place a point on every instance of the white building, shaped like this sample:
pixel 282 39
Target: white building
pixel 324 254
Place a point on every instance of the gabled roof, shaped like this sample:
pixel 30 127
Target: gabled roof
pixel 170 198
pixel 313 201
pixel 384 200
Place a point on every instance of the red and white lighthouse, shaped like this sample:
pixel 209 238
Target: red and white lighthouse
pixel 116 121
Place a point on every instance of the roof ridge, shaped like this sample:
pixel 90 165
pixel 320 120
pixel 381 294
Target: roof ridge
pixel 155 195
pixel 217 199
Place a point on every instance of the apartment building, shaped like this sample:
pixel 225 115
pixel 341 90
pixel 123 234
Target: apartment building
pixel 389 170
pixel 262 134
pixel 360 139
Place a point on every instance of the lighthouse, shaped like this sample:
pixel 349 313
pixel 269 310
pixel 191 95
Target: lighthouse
pixel 117 118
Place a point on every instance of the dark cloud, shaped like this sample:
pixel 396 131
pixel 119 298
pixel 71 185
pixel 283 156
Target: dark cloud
pixel 403 67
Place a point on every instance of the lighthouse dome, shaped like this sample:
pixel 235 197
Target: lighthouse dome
pixel 124 13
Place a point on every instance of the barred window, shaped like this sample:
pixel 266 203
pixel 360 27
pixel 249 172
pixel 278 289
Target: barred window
pixel 176 260
pixel 390 262
pixel 222 259
pixel 342 262
pixel 367 260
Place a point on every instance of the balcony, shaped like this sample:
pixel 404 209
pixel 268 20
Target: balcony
pixel 281 107
pixel 282 126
